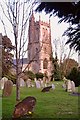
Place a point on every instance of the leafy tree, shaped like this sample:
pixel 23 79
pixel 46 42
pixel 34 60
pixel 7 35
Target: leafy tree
pixel 56 71
pixel 75 76
pixel 67 12
pixel 39 75
pixel 67 65
pixel 7 56
pixel 17 13
pixel 30 74
pixel 11 77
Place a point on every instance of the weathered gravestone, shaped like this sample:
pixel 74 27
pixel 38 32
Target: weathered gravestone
pixel 25 107
pixel 42 83
pixel 73 86
pixel 38 84
pixel 29 83
pixel 7 88
pixel 53 86
pixel 46 89
pixel 69 86
pixel 22 83
pixel 2 82
pixel 64 86
pixel 75 94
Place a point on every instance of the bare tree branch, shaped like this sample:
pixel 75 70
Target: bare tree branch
pixel 18 13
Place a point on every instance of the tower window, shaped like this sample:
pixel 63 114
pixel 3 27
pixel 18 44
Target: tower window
pixel 36 54
pixel 45 63
pixel 36 50
pixel 45 50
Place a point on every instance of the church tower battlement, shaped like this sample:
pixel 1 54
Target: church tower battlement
pixel 39 46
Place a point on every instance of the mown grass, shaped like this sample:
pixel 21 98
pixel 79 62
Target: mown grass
pixel 54 104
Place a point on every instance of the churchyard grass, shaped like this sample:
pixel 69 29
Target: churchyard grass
pixel 54 104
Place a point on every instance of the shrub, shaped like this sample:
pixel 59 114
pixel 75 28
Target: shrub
pixel 39 75
pixel 30 74
pixel 75 76
pixel 11 77
pixel 57 73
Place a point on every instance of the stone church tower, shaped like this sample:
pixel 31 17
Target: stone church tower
pixel 39 46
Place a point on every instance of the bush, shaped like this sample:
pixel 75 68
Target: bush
pixel 75 76
pixel 39 75
pixel 57 74
pixel 11 77
pixel 30 74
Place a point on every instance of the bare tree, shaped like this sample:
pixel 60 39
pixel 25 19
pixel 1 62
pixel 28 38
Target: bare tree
pixel 62 50
pixel 17 13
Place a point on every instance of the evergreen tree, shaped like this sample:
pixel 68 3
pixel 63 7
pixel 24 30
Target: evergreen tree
pixel 56 71
pixel 68 12
pixel 74 76
pixel 7 56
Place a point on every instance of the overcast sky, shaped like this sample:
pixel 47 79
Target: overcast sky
pixel 56 32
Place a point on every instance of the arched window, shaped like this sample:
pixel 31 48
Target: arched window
pixel 45 63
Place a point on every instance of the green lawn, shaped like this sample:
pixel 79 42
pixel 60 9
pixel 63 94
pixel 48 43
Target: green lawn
pixel 54 104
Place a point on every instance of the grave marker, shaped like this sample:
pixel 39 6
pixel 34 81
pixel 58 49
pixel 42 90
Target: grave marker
pixel 7 88
pixel 46 89
pixel 22 83
pixel 2 82
pixel 25 107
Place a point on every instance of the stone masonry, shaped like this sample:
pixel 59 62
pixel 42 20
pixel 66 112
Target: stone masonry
pixel 39 46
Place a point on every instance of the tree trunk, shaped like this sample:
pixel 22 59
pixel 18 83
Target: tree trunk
pixel 0 56
pixel 17 73
pixel 17 87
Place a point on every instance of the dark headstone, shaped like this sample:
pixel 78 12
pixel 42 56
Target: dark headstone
pixel 46 89
pixel 25 107
pixel 7 88
pixel 75 94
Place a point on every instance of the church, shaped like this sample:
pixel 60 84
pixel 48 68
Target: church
pixel 39 46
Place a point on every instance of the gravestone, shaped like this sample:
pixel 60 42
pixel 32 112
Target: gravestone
pixel 22 83
pixel 64 86
pixel 2 82
pixel 46 89
pixel 25 107
pixel 69 86
pixel 42 83
pixel 7 88
pixel 75 94
pixel 38 84
pixel 73 86
pixel 29 83
pixel 45 85
pixel 35 79
pixel 53 86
